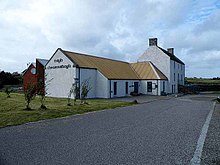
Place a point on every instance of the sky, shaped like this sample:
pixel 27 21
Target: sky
pixel 117 29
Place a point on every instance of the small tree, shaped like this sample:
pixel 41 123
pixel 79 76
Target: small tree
pixel 73 91
pixel 29 94
pixel 86 87
pixel 42 91
pixel 8 92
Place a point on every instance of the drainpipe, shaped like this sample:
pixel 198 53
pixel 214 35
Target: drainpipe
pixel 157 87
pixel 110 88
pixel 79 84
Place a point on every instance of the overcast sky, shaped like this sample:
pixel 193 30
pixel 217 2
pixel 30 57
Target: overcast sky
pixel 117 29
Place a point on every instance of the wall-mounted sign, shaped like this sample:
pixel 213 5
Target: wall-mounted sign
pixel 58 60
pixel 59 67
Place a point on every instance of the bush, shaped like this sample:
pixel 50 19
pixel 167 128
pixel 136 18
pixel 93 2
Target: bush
pixel 86 87
pixel 29 94
pixel 8 92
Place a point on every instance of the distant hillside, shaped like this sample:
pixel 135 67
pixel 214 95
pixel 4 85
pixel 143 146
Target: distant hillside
pixel 205 81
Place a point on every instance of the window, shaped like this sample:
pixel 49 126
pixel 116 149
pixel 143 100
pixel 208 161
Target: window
pixel 174 89
pixel 126 87
pixel 149 86
pixel 178 77
pixel 181 77
pixel 174 64
pixel 174 77
pixel 115 88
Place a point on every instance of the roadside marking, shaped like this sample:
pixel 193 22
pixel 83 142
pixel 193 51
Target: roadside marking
pixel 198 152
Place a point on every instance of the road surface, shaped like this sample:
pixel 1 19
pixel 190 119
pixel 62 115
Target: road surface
pixel 158 132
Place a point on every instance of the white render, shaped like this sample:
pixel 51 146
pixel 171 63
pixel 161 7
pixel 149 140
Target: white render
pixel 102 86
pixel 59 80
pixel 166 66
pixel 121 92
pixel 61 72
pixel 91 76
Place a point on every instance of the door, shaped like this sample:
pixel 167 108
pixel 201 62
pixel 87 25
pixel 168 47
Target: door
pixel 135 87
pixel 163 86
pixel 149 86
pixel 115 88
pixel 126 87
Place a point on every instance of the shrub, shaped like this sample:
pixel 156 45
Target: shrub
pixel 29 94
pixel 86 87
pixel 8 92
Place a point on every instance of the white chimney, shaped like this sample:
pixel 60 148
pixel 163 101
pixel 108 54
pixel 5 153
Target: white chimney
pixel 170 50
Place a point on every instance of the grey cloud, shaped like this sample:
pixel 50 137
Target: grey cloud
pixel 116 29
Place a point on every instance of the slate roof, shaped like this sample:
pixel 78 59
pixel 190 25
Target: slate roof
pixel 114 69
pixel 42 61
pixel 172 56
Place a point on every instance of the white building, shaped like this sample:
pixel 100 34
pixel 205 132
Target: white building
pixel 165 60
pixel 108 78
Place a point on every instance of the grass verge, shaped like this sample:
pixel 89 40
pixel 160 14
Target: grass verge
pixel 12 109
pixel 202 81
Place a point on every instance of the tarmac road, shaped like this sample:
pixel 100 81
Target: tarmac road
pixel 158 132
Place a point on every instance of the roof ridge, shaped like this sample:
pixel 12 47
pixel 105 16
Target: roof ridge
pixel 175 58
pixel 41 59
pixel 94 56
pixel 152 66
pixel 158 70
pixel 138 76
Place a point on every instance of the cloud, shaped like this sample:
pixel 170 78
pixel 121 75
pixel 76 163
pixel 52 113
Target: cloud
pixel 115 29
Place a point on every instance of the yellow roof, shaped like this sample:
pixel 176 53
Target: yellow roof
pixel 111 69
pixel 114 69
pixel 147 71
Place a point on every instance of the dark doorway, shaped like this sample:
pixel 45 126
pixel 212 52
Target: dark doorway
pixel 115 88
pixel 149 86
pixel 126 87
pixel 163 86
pixel 135 87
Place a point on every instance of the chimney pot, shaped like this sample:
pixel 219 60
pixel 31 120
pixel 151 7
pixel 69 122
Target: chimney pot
pixel 152 41
pixel 170 50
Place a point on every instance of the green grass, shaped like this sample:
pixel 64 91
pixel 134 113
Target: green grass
pixel 216 92
pixel 202 81
pixel 12 109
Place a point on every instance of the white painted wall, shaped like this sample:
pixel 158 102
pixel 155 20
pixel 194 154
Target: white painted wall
pixel 59 75
pixel 158 58
pixel 166 85
pixel 62 72
pixel 121 87
pixel 102 86
pixel 90 75
pixel 175 67
pixel 166 66
pixel 155 91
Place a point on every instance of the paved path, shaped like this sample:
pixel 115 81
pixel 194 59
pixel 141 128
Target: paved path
pixel 158 132
pixel 143 98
